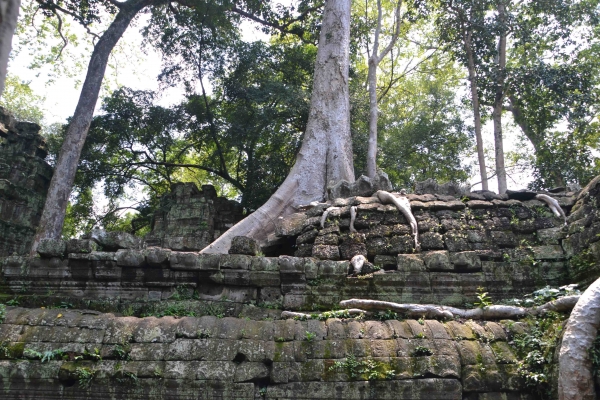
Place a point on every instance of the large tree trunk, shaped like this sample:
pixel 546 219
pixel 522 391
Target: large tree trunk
pixel 498 100
pixel 575 379
pixel 374 60
pixel 9 13
pixel 475 103
pixel 53 216
pixel 326 152
pixel 373 111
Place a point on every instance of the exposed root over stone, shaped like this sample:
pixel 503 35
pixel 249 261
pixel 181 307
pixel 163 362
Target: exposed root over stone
pixel 444 312
pixel 554 206
pixel 352 219
pixel 325 214
pixel 403 205
pixel 575 377
pixel 294 314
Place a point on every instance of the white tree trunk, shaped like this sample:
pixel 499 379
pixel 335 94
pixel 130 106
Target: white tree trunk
pixel 575 379
pixel 374 60
pixel 475 103
pixel 9 13
pixel 498 100
pixel 326 152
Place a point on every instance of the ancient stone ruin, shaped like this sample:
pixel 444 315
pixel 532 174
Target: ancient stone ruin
pixel 24 180
pixel 114 316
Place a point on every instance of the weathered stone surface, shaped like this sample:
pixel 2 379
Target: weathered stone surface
pixel 437 261
pixel 521 195
pixel 291 225
pixel 189 219
pixel 466 261
pixel 130 258
pixel 326 252
pixel 112 241
pixel 81 246
pixel 52 248
pixel 244 245
pixel 24 181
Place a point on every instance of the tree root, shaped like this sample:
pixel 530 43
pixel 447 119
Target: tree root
pixel 294 314
pixel 444 312
pixel 403 205
pixel 554 206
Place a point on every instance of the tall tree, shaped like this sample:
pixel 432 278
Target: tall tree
pixel 85 13
pixel 326 152
pixel 499 93
pixel 9 13
pixel 462 27
pixel 374 59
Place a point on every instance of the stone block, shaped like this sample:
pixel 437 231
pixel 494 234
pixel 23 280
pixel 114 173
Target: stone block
pixel 331 239
pixel 311 268
pixel 437 261
pixel 504 239
pixel 81 246
pixel 326 252
pixel 113 241
pixel 236 277
pixel 456 241
pixel 155 330
pixel 106 270
pixel 130 258
pixel 244 245
pixel 410 262
pixel 293 283
pixel 291 265
pixel 264 278
pixel 385 262
pixel 550 252
pixel 431 241
pixel 52 248
pixel 156 256
pixel 291 225
pixel 467 261
pixel 235 261
pixel 333 269
pixel 264 264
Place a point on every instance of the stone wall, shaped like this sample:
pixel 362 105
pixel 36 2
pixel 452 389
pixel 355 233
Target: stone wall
pixel 24 181
pixel 190 219
pixel 91 355
pixel 507 247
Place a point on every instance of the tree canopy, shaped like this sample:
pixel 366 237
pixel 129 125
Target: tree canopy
pixel 245 107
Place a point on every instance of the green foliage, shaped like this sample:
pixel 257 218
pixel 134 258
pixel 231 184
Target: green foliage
pixel 385 315
pixel 2 313
pixel 594 354
pixel 21 101
pixel 483 299
pixel 536 349
pixel 128 377
pixel 121 351
pixel 420 351
pixel 342 314
pixel 44 356
pixel 367 368
pixel 84 376
pixel 422 133
pixel 309 336
pixel 184 293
